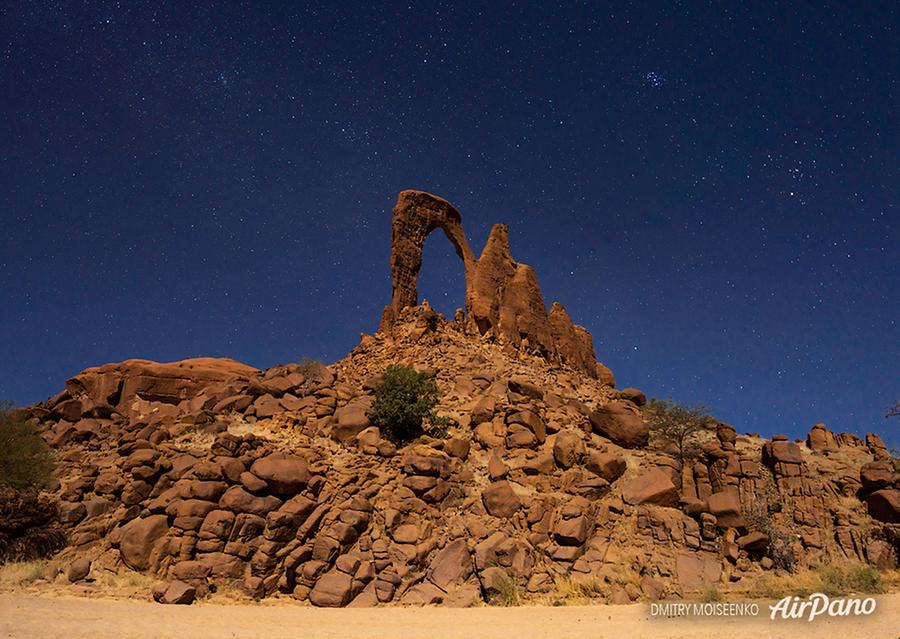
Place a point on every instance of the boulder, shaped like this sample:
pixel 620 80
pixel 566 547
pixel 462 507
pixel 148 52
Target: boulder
pixel 500 500
pixel 332 590
pixel 253 483
pixel 884 505
pixel 726 435
pixel 651 588
pixel 632 395
pixel 180 508
pixel 424 460
pixel 820 438
pixel 568 448
pixel 457 447
pixel 572 531
pixel 205 490
pixel 619 597
pixel 238 500
pixel 451 565
pixel 876 475
pixel 525 387
pixel 283 474
pixel 532 422
pixel 217 525
pixel 518 436
pixel 782 451
pixel 604 375
pixel 78 569
pixel 753 541
pixel 290 515
pixel 169 383
pixel 422 594
pixel 651 487
pixel 266 406
pixel 876 446
pixel 139 538
pixel 620 424
pixel 233 403
pixel 607 465
pixel 483 410
pixel 726 506
pixel 350 421
pixel 697 569
pixel 176 592
pixel 406 534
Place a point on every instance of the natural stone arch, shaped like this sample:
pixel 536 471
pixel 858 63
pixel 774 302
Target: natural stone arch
pixel 503 297
pixel 415 216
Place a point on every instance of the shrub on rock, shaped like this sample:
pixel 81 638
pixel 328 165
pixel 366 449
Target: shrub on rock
pixel 28 525
pixel 25 460
pixel 677 427
pixel 404 405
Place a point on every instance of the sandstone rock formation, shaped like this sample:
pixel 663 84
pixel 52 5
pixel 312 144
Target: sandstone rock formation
pixel 503 297
pixel 544 473
pixel 208 473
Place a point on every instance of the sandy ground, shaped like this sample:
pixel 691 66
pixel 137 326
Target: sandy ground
pixel 76 618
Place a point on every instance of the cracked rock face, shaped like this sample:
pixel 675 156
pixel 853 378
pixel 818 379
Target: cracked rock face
pixel 503 297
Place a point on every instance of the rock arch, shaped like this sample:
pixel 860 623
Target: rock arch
pixel 503 296
pixel 415 216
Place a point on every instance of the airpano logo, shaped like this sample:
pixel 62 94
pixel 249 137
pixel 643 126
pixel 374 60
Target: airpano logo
pixel 791 607
pixel 818 604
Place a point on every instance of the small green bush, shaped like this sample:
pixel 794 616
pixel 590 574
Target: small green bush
pixel 710 593
pixel 758 515
pixel 28 527
pixel 404 405
pixel 895 459
pixel 781 550
pixel 850 578
pixel 508 592
pixel 25 459
pixel 312 369
pixel 833 578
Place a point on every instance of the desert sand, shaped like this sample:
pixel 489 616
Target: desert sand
pixel 77 618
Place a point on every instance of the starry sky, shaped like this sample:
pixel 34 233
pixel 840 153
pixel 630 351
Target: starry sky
pixel 711 189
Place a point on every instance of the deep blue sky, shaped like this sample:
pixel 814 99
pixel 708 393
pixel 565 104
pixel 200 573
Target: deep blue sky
pixel 712 190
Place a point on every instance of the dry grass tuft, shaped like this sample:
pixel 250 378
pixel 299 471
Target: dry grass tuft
pixel 578 591
pixel 19 574
pixel 509 592
pixel 832 579
pixel 710 593
pixel 124 582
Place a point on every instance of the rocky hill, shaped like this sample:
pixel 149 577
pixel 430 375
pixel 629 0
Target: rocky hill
pixel 208 473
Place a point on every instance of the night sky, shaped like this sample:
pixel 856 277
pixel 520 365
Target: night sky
pixel 712 190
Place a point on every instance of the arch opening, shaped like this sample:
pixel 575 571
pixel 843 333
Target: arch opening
pixel 441 278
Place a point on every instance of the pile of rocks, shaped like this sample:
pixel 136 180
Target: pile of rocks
pixel 275 482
